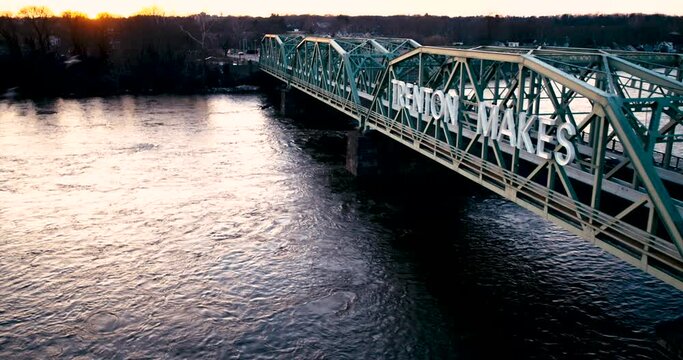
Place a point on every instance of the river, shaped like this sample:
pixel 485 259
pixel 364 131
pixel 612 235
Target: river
pixel 209 227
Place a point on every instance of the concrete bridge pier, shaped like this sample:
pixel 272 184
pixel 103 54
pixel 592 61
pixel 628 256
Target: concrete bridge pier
pixel 371 154
pixel 291 102
pixel 283 100
pixel 361 154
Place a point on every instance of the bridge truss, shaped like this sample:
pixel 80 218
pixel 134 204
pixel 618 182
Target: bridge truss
pixel 622 190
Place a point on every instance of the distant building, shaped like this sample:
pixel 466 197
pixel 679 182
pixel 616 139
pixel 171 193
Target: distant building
pixel 54 41
pixel 513 43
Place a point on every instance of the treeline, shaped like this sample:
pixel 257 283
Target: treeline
pixel 565 30
pixel 72 55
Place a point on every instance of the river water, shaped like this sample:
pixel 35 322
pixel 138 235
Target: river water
pixel 209 227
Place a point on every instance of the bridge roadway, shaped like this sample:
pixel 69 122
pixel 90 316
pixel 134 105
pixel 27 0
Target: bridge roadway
pixel 589 139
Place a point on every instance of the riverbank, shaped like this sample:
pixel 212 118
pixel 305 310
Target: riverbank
pixel 84 78
pixel 247 84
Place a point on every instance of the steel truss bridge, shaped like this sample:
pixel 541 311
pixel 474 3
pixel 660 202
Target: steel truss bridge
pixel 623 189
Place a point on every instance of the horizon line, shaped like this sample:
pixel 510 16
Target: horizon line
pixel 163 13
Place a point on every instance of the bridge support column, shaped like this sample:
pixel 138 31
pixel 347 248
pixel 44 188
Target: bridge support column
pixel 291 102
pixel 283 100
pixel 361 154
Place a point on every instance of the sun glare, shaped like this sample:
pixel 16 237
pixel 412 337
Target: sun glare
pixel 349 7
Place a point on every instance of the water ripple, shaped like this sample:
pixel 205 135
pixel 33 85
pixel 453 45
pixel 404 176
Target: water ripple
pixel 207 227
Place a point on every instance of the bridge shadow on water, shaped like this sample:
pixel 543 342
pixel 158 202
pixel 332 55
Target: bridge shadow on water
pixel 506 283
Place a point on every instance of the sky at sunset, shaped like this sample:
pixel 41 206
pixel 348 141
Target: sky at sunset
pixel 357 7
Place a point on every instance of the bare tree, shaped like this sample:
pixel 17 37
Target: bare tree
pixel 204 23
pixel 151 11
pixel 38 16
pixel 76 23
pixel 10 35
pixel 237 27
pixel 155 12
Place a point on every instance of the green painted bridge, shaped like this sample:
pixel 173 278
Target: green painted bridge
pixel 589 139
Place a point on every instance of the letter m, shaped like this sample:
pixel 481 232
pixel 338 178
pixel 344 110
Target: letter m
pixel 488 124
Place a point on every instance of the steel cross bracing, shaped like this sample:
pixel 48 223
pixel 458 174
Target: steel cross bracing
pixel 622 190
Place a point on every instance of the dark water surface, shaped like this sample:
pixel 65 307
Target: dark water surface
pixel 207 227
